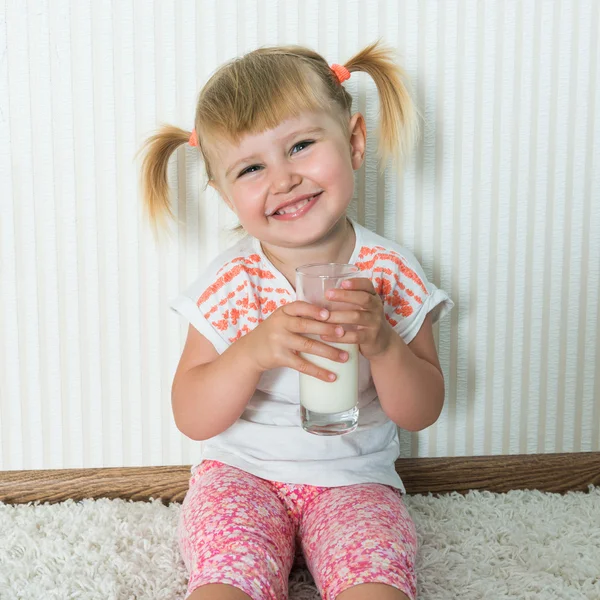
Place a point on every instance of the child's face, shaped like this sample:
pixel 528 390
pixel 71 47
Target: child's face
pixel 302 157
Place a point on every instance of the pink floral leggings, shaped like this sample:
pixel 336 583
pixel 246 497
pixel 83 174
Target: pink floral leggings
pixel 239 529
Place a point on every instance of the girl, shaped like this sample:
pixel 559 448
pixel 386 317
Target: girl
pixel 280 145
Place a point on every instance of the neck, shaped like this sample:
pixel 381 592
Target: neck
pixel 337 246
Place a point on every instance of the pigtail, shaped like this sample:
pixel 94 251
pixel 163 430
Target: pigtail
pixel 398 121
pixel 155 188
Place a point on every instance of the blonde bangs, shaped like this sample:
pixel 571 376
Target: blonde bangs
pixel 257 93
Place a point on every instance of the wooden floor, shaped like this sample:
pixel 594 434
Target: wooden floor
pixel 546 472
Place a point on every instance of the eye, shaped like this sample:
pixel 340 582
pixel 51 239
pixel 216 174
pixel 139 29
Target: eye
pixel 249 170
pixel 304 144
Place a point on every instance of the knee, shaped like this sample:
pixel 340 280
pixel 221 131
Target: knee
pixel 368 591
pixel 218 591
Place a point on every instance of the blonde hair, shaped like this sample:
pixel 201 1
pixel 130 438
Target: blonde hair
pixel 268 85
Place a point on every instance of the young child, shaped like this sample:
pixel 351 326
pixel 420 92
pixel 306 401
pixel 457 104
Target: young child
pixel 280 144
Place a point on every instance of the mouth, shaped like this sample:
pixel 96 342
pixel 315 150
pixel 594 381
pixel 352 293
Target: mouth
pixel 295 209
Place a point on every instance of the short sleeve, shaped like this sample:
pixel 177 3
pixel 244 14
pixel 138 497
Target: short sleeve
pixel 187 307
pixel 230 299
pixel 408 297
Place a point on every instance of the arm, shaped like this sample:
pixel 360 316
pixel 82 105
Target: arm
pixel 409 380
pixel 210 391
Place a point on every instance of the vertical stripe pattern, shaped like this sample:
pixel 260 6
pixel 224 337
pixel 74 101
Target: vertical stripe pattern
pixel 500 202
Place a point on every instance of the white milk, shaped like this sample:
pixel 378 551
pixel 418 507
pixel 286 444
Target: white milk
pixel 333 396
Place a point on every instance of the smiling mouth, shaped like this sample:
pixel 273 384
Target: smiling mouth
pixel 291 209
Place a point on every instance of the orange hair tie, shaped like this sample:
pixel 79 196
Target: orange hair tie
pixel 340 72
pixel 193 141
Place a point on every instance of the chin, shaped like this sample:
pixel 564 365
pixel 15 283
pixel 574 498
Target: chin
pixel 302 237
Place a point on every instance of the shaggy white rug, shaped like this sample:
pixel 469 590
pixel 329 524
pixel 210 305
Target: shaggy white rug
pixel 524 545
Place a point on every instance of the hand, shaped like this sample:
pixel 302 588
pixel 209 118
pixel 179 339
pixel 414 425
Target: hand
pixel 372 332
pixel 278 340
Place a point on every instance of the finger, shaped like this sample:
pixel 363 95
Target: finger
pixel 358 297
pixel 305 309
pixel 305 326
pixel 307 368
pixel 359 283
pixel 307 345
pixel 349 337
pixel 350 317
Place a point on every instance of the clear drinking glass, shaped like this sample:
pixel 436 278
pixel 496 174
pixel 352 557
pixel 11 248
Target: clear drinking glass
pixel 328 408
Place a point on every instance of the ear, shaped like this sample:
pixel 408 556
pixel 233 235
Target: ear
pixel 227 201
pixel 358 140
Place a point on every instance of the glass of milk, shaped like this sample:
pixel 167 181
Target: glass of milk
pixel 328 408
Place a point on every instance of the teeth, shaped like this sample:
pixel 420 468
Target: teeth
pixel 294 207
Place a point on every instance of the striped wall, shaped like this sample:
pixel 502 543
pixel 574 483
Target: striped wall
pixel 500 202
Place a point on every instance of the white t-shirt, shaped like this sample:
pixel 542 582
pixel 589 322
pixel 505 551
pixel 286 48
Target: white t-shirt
pixel 239 289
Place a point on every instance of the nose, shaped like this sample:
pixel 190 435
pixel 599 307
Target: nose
pixel 284 179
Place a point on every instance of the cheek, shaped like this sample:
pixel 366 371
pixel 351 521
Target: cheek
pixel 332 169
pixel 248 199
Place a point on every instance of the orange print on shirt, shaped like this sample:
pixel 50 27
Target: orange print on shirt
pixel 387 267
pixel 234 272
pixel 242 296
